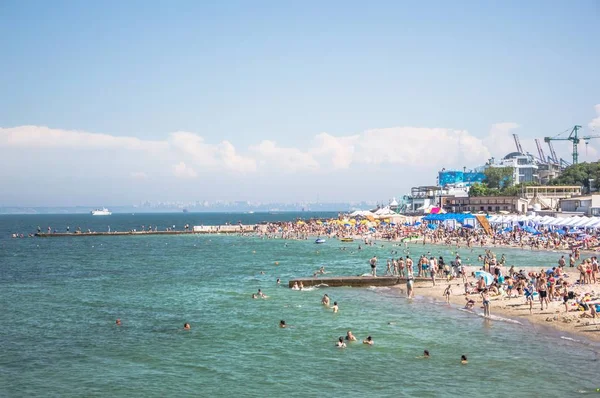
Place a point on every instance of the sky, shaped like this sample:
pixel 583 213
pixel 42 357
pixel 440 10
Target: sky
pixel 118 102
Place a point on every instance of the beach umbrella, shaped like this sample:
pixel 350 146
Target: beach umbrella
pixel 487 277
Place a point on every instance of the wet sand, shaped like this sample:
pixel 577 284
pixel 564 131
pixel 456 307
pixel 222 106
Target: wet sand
pixel 517 309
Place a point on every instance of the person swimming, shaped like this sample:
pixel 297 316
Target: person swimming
pixel 261 294
pixel 425 355
pixel 118 322
pixel 186 326
pixel 368 340
pixel 463 359
pixel 340 343
pixel 350 336
pixel 282 324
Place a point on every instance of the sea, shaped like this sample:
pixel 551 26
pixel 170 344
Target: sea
pixel 60 298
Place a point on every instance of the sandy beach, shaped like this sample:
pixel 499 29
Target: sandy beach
pixel 516 308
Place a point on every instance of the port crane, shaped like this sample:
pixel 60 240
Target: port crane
pixel 541 152
pixel 518 143
pixel 553 153
pixel 574 138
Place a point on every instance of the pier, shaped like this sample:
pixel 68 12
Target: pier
pixel 209 229
pixel 355 281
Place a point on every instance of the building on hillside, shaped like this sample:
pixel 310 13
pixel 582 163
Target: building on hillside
pixel 487 204
pixel 525 169
pixel 588 205
pixel 459 178
pixel 548 196
pixel 548 172
pixel 425 197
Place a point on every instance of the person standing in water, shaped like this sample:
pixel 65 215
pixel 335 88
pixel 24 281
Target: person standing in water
pixel 340 343
pixel 486 303
pixel 432 269
pixel 409 280
pixel 325 300
pixel 335 307
pixel 373 263
pixel 447 293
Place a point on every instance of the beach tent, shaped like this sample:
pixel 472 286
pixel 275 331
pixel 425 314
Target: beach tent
pixel 593 223
pixel 582 221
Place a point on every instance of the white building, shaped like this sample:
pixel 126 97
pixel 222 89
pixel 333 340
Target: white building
pixel 524 167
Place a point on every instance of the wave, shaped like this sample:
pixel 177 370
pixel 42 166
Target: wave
pixel 570 339
pixel 491 317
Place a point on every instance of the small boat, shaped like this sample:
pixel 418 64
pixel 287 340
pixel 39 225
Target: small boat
pixel 101 212
pixel 319 241
pixel 346 240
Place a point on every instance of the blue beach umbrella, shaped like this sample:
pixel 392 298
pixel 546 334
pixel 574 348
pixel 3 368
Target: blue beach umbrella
pixel 487 277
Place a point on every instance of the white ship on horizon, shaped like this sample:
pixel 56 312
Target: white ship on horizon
pixel 101 212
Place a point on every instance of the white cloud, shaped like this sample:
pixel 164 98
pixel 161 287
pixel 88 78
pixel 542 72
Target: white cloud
pixel 595 123
pixel 339 150
pixel 44 137
pixel 233 161
pixel 187 154
pixel 209 156
pixel 269 154
pixel 500 140
pixel 181 170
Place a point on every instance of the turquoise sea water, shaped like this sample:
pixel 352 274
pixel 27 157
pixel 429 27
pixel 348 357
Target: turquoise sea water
pixel 60 298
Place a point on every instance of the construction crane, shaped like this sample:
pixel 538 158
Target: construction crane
pixel 587 140
pixel 552 152
pixel 573 137
pixel 540 151
pixel 518 143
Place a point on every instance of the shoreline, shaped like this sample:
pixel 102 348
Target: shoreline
pixel 554 319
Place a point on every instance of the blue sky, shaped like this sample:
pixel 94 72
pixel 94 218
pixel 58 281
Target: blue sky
pixel 267 80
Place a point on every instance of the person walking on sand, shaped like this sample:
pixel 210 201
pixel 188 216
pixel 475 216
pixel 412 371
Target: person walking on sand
pixel 373 263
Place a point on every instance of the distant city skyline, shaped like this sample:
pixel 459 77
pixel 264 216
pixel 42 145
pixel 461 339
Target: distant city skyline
pixel 121 102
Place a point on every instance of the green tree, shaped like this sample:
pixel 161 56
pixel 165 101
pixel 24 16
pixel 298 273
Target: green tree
pixel 498 177
pixel 580 175
pixel 478 189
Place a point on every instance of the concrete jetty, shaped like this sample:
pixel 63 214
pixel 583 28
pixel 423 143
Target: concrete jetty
pixel 355 281
pixel 209 229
